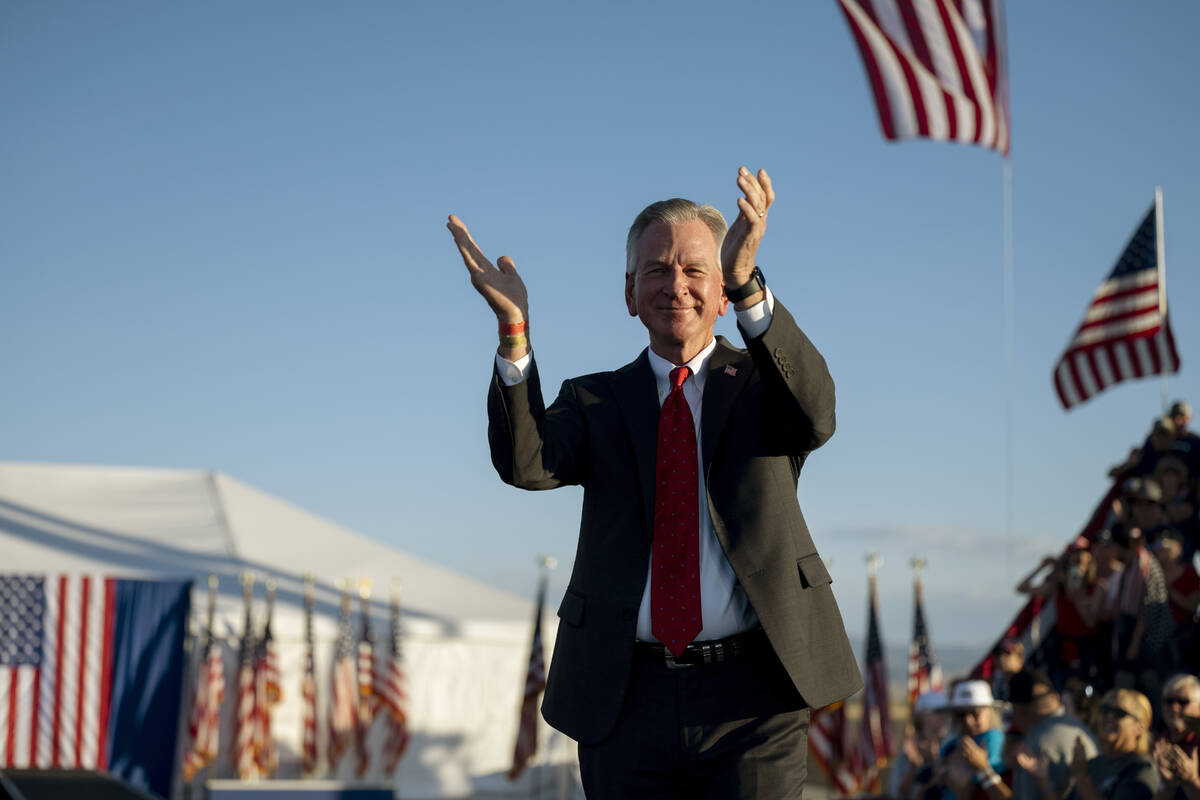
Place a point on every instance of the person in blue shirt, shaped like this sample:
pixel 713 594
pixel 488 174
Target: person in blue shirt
pixel 975 717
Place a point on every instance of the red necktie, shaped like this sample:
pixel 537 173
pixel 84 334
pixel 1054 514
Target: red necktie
pixel 675 575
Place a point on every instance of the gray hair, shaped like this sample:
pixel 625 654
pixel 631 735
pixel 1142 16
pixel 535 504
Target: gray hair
pixel 671 212
pixel 1189 683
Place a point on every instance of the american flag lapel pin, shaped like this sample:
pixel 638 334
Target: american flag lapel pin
pixel 730 370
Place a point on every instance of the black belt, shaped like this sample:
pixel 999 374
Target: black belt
pixel 714 651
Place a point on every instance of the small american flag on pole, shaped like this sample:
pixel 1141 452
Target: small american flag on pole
pixel 535 682
pixel 875 740
pixel 267 693
pixel 392 694
pixel 1125 333
pixel 308 690
pixel 366 681
pixel 204 724
pixel 924 672
pixel 343 706
pixel 936 67
pixel 245 719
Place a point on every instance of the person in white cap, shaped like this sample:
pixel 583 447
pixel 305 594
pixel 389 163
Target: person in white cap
pixel 975 718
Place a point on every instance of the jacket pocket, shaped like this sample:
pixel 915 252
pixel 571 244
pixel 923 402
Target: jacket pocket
pixel 570 610
pixel 812 571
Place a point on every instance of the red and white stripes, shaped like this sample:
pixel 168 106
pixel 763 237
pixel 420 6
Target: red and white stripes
pixel 936 67
pixel 54 709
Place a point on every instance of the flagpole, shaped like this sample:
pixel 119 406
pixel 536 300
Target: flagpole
pixel 545 564
pixel 1009 350
pixel 1160 247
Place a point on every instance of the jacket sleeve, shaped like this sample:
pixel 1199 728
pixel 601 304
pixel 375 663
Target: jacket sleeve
pixel 534 447
pixel 799 388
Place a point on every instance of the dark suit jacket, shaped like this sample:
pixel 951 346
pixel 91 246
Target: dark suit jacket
pixel 760 421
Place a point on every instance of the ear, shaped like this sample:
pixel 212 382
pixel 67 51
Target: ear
pixel 723 306
pixel 630 300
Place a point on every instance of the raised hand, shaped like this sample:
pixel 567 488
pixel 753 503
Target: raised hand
pixel 741 242
pixel 500 285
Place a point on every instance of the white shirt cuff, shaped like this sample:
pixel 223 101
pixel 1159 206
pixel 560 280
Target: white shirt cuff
pixel 513 372
pixel 755 320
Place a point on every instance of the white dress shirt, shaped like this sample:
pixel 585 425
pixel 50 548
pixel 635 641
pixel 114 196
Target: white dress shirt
pixel 724 607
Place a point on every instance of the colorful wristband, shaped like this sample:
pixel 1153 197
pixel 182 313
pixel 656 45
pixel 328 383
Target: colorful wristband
pixel 514 340
pixel 514 329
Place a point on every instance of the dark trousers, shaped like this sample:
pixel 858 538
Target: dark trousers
pixel 737 729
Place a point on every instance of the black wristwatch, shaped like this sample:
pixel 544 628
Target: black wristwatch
pixel 756 284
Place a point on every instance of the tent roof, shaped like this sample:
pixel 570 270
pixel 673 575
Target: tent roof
pixel 166 522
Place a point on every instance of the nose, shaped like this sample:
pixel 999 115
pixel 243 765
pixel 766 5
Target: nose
pixel 676 283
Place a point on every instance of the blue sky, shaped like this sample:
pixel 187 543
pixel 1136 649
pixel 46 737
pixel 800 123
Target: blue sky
pixel 222 247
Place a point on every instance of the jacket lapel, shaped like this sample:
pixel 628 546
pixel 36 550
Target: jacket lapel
pixel 637 397
pixel 721 388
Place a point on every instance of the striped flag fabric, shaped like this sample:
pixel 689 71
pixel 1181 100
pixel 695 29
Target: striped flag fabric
pixel 1125 333
pixel 204 723
pixel 827 746
pixel 308 691
pixel 91 674
pixel 245 722
pixel 393 696
pixel 535 682
pixel 875 737
pixel 267 694
pixel 924 672
pixel 366 686
pixel 343 704
pixel 937 68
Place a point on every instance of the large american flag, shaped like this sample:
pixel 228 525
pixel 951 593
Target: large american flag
pixel 91 674
pixel 1125 333
pixel 55 656
pixel 343 704
pixel 924 672
pixel 936 67
pixel 308 691
pixel 393 695
pixel 204 724
pixel 535 682
pixel 245 761
pixel 875 739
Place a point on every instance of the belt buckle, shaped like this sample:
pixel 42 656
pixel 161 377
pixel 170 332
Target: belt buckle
pixel 670 661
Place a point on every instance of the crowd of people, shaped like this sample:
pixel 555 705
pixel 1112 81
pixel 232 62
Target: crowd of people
pixel 1108 706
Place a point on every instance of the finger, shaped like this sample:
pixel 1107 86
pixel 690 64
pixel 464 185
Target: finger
pixel 506 265
pixel 764 180
pixel 751 213
pixel 472 256
pixel 751 189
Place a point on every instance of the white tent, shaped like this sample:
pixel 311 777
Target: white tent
pixel 466 645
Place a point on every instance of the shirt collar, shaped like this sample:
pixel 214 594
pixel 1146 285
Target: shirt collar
pixel 698 365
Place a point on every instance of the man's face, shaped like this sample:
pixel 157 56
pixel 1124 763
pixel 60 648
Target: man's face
pixel 1181 422
pixel 676 288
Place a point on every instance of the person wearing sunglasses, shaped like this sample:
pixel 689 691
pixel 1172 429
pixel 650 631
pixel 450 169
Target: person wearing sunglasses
pixel 1176 752
pixel 1123 770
